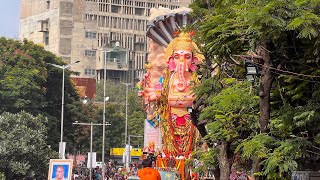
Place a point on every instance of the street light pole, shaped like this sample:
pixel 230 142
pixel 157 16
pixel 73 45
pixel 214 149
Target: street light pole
pixel 126 125
pixel 91 139
pixel 126 128
pixel 61 149
pixel 63 67
pixel 104 112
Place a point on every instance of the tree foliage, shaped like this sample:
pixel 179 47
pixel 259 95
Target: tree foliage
pixel 232 115
pixel 282 39
pixel 21 77
pixel 116 109
pixel 28 84
pixel 115 91
pixel 23 150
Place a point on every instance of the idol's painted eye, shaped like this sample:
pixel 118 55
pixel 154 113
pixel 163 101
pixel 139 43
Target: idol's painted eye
pixel 176 56
pixel 187 56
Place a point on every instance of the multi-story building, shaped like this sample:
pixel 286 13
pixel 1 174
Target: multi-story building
pixel 94 32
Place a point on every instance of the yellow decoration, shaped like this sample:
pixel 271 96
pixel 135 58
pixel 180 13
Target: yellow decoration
pixel 148 66
pixel 179 111
pixel 120 151
pixel 183 42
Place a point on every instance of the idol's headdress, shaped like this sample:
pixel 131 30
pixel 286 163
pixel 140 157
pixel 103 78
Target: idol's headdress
pixel 183 42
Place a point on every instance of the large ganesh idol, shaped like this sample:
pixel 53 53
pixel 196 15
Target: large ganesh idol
pixel 166 88
pixel 178 132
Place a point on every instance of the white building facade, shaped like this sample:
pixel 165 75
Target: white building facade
pixel 94 32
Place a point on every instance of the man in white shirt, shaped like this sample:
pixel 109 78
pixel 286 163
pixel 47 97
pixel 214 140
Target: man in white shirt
pixel 60 174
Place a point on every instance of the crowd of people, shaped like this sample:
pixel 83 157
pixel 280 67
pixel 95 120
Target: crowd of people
pixel 144 171
pixel 112 172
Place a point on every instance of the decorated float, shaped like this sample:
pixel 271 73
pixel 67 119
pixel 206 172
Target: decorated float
pixel 166 91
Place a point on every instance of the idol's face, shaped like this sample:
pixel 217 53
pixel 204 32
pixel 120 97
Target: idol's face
pixel 183 57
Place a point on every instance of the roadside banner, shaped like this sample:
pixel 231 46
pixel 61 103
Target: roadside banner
pixel 152 135
pixel 94 161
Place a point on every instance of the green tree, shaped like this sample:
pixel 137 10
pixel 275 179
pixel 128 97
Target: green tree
pixel 232 114
pixel 281 38
pixel 136 116
pixel 114 136
pixel 115 91
pixel 92 113
pixel 23 150
pixel 136 119
pixel 21 77
pixel 136 128
pixel 28 83
pixel 115 132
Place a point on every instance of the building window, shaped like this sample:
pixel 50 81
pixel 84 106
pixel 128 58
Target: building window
pixel 48 4
pixel 91 17
pixel 89 53
pixel 139 11
pixel 91 35
pixel 46 38
pixel 115 9
pixel 89 71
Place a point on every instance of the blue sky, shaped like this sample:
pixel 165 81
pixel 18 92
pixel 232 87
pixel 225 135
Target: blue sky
pixel 9 18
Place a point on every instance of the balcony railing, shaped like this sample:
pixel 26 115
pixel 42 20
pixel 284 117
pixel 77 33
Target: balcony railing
pixel 113 65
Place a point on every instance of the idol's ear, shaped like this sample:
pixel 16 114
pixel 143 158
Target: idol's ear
pixel 194 63
pixel 192 67
pixel 171 63
pixel 195 60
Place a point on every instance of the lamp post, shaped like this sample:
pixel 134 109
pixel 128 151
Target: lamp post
pixel 126 128
pixel 103 133
pixel 128 150
pixel 91 138
pixel 104 111
pixel 126 125
pixel 63 67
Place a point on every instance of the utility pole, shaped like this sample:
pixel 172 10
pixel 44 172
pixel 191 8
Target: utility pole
pixel 126 125
pixel 91 139
pixel 63 67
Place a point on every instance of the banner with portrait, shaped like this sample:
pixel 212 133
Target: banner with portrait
pixel 152 135
pixel 60 169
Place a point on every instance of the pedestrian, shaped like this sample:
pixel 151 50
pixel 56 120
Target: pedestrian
pixel 97 175
pixel 148 172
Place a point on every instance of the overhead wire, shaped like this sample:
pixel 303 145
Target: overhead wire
pixel 288 59
pixel 284 71
pixel 295 77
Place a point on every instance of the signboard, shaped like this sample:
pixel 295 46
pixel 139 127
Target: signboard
pixel 120 151
pixel 94 161
pixel 152 135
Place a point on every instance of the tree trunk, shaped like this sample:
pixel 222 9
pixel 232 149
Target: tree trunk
pixel 224 163
pixel 255 167
pixel 209 5
pixel 8 174
pixel 265 87
pixel 194 115
pixel 264 94
pixel 201 126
